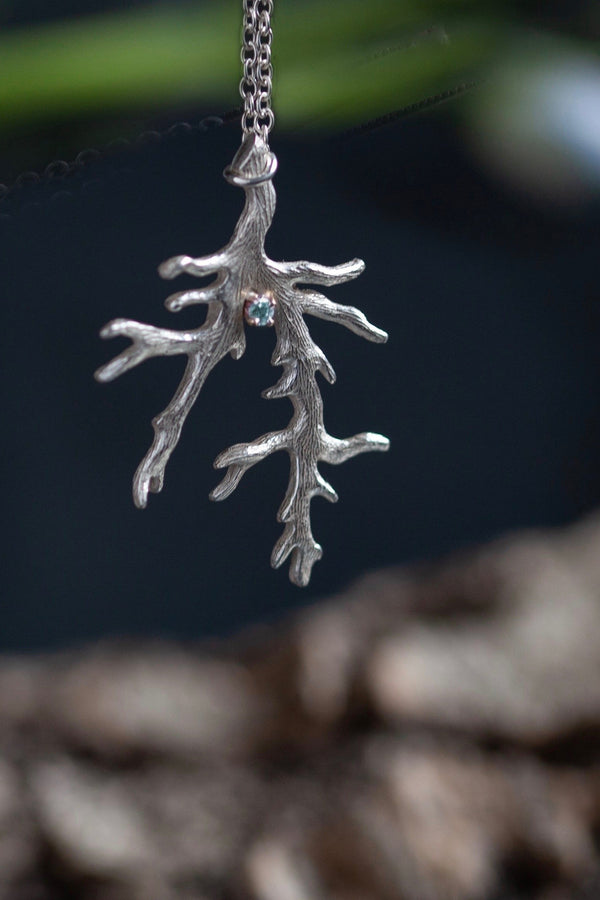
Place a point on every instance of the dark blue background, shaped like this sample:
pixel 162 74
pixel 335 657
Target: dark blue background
pixel 488 387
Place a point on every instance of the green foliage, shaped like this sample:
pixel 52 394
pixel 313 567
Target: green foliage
pixel 337 62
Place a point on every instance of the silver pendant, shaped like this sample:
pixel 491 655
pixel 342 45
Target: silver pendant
pixel 251 288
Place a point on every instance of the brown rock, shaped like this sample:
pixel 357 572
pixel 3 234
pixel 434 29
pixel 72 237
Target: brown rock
pixel 432 734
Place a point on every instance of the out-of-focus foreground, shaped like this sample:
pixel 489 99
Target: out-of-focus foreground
pixel 433 734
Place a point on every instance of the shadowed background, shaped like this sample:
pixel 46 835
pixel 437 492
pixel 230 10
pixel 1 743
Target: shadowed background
pixel 481 252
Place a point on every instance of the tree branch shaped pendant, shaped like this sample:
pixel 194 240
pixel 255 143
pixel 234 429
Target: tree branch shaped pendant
pixel 251 288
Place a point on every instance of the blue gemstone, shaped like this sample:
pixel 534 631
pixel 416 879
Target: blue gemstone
pixel 260 311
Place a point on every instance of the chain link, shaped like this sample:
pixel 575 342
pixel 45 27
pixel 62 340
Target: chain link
pixel 257 78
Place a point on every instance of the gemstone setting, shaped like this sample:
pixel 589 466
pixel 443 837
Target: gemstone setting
pixel 259 309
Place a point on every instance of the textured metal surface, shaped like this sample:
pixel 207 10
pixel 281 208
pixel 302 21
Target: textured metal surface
pixel 241 269
pixel 257 79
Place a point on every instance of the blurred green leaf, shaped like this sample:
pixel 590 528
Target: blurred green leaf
pixel 336 62
pixel 349 88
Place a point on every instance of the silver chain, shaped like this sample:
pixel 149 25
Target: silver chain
pixel 257 80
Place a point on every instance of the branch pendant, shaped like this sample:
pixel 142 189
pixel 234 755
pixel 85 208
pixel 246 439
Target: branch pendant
pixel 249 288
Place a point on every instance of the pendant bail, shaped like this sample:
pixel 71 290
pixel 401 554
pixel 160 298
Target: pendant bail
pixel 253 164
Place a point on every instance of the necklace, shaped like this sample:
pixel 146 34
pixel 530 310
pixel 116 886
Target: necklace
pixel 251 289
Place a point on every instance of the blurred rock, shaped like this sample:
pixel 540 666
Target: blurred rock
pixel 158 700
pixel 529 670
pixel 431 734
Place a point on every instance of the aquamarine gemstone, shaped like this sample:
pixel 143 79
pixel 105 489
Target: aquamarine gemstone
pixel 260 311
